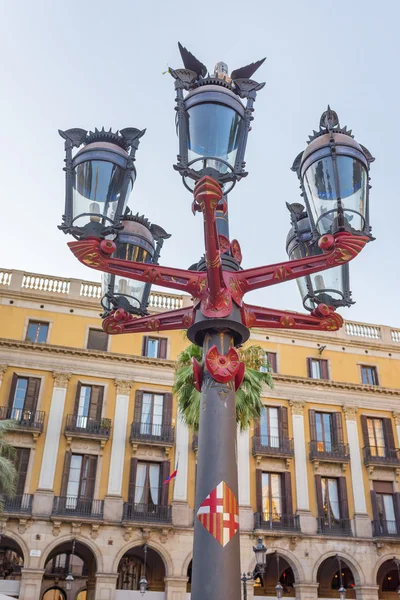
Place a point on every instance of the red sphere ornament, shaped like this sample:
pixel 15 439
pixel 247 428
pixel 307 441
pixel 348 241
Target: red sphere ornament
pixel 326 242
pixel 121 315
pixel 107 247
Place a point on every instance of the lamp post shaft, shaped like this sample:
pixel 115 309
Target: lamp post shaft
pixel 216 566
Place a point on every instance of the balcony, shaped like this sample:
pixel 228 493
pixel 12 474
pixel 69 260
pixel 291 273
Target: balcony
pixel 329 452
pixel 70 506
pixel 195 442
pixel 381 456
pixel 383 528
pixel 85 427
pixel 149 513
pixel 161 435
pixel 276 522
pixel 331 526
pixel 25 420
pixel 265 445
pixel 18 505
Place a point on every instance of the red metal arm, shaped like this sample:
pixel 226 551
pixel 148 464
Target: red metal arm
pixel 346 247
pixel 91 254
pixel 120 321
pixel 322 318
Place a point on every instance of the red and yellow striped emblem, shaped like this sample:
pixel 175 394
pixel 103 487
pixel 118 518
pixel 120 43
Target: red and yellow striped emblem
pixel 219 513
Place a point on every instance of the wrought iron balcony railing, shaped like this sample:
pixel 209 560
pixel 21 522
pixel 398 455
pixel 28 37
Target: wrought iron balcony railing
pixel 147 512
pixel 29 420
pixel 331 526
pixel 266 445
pixel 85 426
pixel 151 433
pixel 380 455
pixel 385 528
pixel 329 451
pixel 78 507
pixel 20 504
pixel 276 522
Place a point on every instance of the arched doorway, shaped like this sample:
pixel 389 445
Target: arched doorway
pixel 328 578
pixel 189 576
pixel 277 568
pixel 388 580
pixel 131 570
pixel 69 558
pixel 11 563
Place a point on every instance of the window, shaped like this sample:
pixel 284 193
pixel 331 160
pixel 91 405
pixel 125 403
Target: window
pixel 271 357
pixel 330 498
pixel 21 461
pixel 376 437
pixel 269 427
pixel 24 393
pixel 385 506
pixel 88 405
pixel 317 368
pixel 78 478
pixel 369 375
pixel 147 488
pixel 324 432
pixel 154 347
pixel 97 340
pixel 37 332
pixel 272 496
pixel 152 414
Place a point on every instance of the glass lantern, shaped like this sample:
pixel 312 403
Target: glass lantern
pixel 333 171
pixel 260 552
pixel 99 180
pixel 332 286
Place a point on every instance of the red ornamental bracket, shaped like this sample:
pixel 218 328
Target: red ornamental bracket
pixel 197 374
pixel 223 367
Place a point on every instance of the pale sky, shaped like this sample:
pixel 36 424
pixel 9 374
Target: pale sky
pixel 89 63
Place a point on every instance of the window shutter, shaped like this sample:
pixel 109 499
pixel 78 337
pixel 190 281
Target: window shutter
pixel 145 341
pixel 283 425
pixel 21 464
pixel 77 395
pixel 132 480
pixel 271 357
pixel 164 488
pixel 257 431
pixel 344 505
pixel 388 433
pixel 374 502
pixel 287 493
pixel 167 410
pixel 137 417
pixel 32 394
pixel 91 462
pixel 396 503
pixel 259 500
pixel 364 427
pixel 12 390
pixel 162 353
pixel 309 369
pixel 318 490
pixel 96 402
pixel 65 475
pixel 337 427
pixel 313 429
pixel 324 369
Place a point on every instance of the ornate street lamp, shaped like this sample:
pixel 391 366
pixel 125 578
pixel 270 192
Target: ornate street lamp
pixel 342 590
pixel 332 287
pixel 260 552
pixel 397 563
pixel 143 583
pixel 333 173
pixel 278 587
pixel 138 241
pixel 69 580
pixel 211 120
pixel 99 179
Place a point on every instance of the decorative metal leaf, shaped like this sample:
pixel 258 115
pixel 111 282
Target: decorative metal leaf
pixel 247 71
pixel 191 62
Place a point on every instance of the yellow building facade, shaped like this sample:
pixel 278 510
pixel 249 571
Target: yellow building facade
pixel 97 433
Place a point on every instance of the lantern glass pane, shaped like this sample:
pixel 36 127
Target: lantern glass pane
pixel 213 131
pixel 323 191
pixel 97 191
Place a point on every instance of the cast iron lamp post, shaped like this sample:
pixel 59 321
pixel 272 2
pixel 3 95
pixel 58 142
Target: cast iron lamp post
pixel 143 583
pixel 342 590
pixel 260 552
pixel 213 125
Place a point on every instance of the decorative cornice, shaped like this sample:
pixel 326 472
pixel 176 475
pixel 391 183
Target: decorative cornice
pixel 3 369
pixel 297 406
pixel 396 416
pixel 341 385
pixel 61 379
pixel 350 412
pixel 123 386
